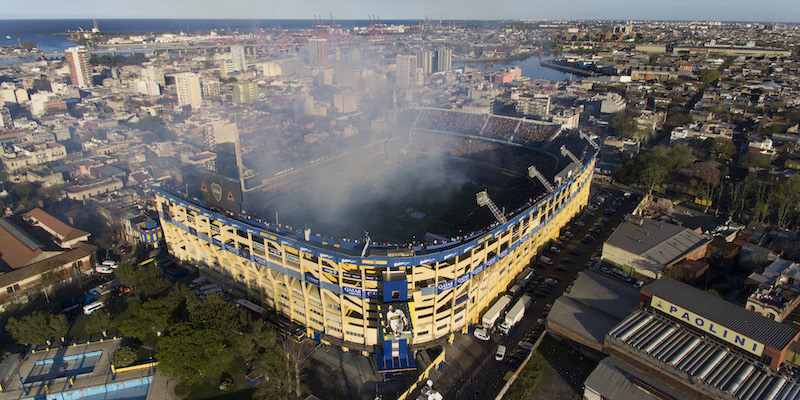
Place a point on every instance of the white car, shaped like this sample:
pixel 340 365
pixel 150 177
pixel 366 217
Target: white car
pixel 546 260
pixel 111 264
pixel 103 269
pixel 482 333
pixel 500 354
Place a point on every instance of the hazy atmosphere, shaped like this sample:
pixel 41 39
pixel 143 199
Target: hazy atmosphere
pixel 684 10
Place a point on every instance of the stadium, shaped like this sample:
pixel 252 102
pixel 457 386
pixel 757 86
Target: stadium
pixel 390 246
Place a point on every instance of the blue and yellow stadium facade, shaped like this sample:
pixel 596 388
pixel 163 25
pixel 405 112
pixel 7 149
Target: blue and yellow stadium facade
pixel 338 297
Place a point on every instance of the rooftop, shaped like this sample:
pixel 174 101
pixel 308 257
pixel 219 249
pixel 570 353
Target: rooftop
pixel 732 316
pixel 658 241
pixel 615 379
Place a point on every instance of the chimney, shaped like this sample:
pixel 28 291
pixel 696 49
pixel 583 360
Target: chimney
pixel 41 203
pixel 71 221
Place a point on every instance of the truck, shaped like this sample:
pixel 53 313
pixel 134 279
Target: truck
pixel 491 316
pixel 494 311
pixel 515 314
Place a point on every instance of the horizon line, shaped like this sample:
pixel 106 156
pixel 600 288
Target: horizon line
pixel 408 19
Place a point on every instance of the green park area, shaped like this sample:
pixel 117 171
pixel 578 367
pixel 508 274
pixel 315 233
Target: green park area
pixel 209 344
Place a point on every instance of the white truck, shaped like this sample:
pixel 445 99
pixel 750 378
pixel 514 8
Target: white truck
pixel 515 314
pixel 491 317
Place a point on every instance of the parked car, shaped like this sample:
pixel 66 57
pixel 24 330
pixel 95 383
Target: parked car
pixel 525 345
pixel 198 282
pixel 546 260
pixel 482 333
pixel 500 353
pixel 103 269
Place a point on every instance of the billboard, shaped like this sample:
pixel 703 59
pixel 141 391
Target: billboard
pixel 707 326
pixel 220 192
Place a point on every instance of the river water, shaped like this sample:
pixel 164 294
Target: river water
pixel 530 67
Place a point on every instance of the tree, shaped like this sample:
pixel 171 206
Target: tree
pixel 27 45
pixel 99 322
pixel 755 160
pixel 123 357
pixel 623 124
pixel 785 199
pixel 708 76
pixel 677 117
pixel 150 319
pixel 38 328
pixel 193 354
pixel 21 191
pixel 147 278
pixel 675 272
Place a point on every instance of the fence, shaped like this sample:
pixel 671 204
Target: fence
pixel 434 365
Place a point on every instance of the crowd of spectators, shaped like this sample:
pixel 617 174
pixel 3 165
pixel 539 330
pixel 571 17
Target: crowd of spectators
pixel 501 128
pixel 535 134
pixel 451 121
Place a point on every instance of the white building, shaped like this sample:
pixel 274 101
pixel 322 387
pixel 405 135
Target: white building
pixel 79 69
pixel 238 59
pixel 271 69
pixel 187 85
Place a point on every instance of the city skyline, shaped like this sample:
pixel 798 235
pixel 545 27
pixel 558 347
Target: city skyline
pixel 715 10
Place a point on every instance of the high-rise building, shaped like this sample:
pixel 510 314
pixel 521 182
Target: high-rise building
pixel 405 71
pixel 147 87
pixel 317 52
pixel 271 69
pixel 211 88
pixel 425 61
pixel 237 57
pixel 245 92
pixel 187 85
pixel 79 70
pixel 444 59
pixel 154 74
pixel 220 131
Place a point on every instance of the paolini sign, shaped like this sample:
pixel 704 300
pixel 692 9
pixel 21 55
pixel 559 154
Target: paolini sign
pixel 708 326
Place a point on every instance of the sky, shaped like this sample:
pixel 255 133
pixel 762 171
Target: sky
pixel 714 10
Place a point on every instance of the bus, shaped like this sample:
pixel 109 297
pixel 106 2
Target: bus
pixel 258 311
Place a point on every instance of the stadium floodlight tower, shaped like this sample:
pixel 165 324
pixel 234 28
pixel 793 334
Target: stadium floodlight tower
pixel 583 135
pixel 534 173
pixel 565 152
pixel 484 200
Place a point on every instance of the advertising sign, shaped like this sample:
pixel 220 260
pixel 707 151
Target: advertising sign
pixel 708 326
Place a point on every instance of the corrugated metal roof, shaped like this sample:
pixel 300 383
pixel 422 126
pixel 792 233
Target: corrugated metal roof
pixel 732 316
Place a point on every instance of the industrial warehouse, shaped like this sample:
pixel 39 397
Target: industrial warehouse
pixel 700 346
pixel 375 296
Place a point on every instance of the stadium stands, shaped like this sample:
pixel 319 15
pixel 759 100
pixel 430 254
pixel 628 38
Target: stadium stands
pixel 451 121
pixel 501 128
pixel 535 134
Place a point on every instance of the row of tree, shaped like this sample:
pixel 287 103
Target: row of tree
pixel 750 199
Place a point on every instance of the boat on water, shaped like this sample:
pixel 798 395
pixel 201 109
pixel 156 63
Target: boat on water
pixel 8 37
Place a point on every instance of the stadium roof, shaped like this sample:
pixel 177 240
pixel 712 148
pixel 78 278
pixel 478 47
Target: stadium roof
pixel 732 316
pixel 658 241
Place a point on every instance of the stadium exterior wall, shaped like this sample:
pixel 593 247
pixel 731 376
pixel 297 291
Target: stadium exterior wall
pixel 336 296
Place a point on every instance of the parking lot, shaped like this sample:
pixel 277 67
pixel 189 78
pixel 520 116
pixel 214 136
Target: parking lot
pixel 473 372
